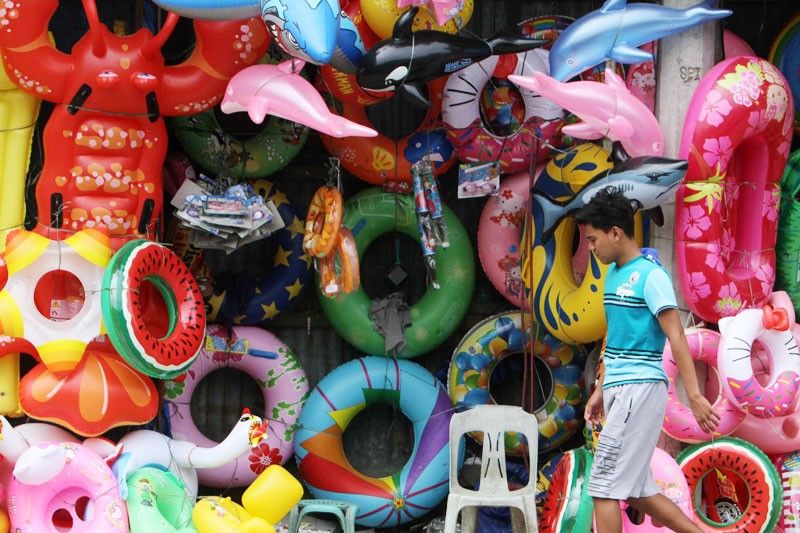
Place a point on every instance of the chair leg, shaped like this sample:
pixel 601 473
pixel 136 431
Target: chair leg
pixel 518 521
pixel 350 517
pixel 469 519
pixel 451 516
pixel 294 519
pixel 531 520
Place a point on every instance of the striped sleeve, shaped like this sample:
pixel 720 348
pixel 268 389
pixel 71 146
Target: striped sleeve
pixel 658 292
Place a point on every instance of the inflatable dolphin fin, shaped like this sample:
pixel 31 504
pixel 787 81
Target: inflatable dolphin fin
pixel 613 80
pixel 625 53
pixel 620 127
pixel 257 109
pixel 583 130
pixel 414 95
pixel 404 27
pixel 614 5
pixel 504 42
pixel 552 213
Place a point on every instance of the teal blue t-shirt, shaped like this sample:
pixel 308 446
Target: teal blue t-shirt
pixel 634 295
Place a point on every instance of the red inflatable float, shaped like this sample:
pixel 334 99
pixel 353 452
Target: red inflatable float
pixel 382 159
pixel 736 138
pixel 106 141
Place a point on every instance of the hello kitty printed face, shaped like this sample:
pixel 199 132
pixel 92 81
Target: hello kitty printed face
pixel 510 209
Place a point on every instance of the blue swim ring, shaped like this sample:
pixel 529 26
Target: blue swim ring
pixel 421 483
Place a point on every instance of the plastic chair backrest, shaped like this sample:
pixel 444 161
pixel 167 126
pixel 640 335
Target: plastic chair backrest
pixel 494 421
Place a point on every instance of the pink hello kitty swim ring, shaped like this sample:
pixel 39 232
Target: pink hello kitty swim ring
pixel 770 328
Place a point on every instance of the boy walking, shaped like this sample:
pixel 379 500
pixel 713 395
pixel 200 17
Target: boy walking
pixel 632 391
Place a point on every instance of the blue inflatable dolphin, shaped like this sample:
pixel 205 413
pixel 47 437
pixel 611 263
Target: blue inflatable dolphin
pixel 212 9
pixel 616 30
pixel 315 31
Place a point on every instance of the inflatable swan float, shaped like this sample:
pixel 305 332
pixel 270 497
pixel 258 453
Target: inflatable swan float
pixel 150 448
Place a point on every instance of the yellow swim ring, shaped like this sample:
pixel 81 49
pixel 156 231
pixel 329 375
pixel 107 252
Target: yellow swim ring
pixel 382 14
pixel 570 310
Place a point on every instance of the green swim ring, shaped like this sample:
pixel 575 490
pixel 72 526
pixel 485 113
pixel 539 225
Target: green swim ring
pixel 157 501
pixel 788 246
pixel 436 315
pixel 208 144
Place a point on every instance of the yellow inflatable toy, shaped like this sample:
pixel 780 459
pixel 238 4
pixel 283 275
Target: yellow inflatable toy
pixel 382 14
pixel 222 515
pixel 18 111
pixel 571 311
pixel 266 501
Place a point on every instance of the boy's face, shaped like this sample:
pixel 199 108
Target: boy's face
pixel 606 245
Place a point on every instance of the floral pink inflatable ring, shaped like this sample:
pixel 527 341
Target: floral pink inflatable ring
pixel 263 357
pixel 64 487
pixel 499 234
pixel 736 139
pixel 778 395
pixel 679 422
pixel 466 129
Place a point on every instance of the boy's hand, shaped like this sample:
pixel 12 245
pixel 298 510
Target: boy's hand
pixel 594 412
pixel 704 413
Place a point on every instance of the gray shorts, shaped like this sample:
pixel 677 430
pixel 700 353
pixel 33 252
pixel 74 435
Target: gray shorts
pixel 634 416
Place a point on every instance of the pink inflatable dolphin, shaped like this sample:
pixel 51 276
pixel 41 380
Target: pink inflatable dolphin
pixel 605 109
pixel 280 90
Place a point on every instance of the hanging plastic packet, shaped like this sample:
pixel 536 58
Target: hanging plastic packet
pixel 434 201
pixel 427 240
pixel 478 179
pixel 421 204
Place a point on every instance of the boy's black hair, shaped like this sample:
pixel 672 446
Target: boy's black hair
pixel 609 207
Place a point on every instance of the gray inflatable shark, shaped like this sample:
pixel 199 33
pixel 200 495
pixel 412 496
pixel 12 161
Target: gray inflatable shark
pixel 649 180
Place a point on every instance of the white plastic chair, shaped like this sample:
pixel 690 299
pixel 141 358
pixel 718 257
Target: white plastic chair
pixel 493 421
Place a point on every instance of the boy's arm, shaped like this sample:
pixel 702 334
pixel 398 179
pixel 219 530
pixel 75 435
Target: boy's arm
pixel 670 323
pixel 594 412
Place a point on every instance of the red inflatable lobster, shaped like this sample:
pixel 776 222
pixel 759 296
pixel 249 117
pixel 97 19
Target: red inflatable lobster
pixel 104 146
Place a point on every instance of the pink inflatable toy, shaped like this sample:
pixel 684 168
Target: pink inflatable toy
pixel 606 110
pixel 777 435
pixel 280 90
pixel 466 128
pixel 735 46
pixel 673 485
pixel 641 78
pixel 64 487
pixel 443 10
pixel 263 357
pixel 499 235
pixel 789 470
pixel 736 139
pixel 739 382
pixel 679 422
